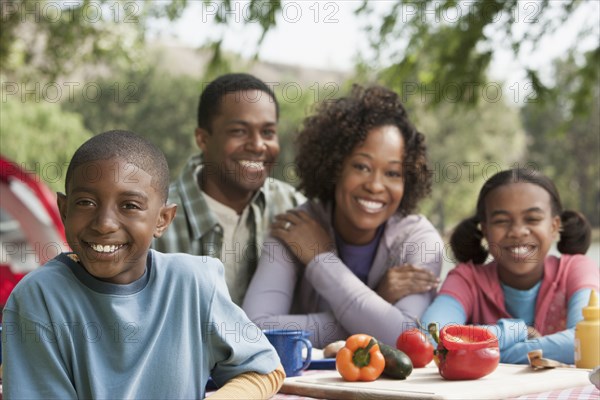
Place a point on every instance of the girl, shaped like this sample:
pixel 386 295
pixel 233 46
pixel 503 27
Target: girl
pixel 524 293
pixel 326 267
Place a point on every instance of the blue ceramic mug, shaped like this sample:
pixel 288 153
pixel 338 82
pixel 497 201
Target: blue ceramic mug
pixel 289 344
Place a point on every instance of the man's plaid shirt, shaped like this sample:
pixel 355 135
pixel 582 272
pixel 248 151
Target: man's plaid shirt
pixel 196 230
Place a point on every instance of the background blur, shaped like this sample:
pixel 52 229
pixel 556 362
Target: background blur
pixel 492 84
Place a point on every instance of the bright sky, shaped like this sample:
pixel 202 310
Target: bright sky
pixel 318 34
pixel 326 34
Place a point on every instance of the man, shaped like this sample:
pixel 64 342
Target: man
pixel 226 199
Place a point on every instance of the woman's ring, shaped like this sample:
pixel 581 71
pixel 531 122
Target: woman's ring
pixel 286 226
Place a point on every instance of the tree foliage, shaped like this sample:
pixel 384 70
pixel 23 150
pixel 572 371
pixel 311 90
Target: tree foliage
pixel 48 39
pixel 437 44
pixel 434 42
pixel 564 138
pixel 40 137
pixel 465 147
pixel 163 108
pixel 150 102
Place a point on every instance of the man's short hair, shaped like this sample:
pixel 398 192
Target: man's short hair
pixel 129 147
pixel 210 99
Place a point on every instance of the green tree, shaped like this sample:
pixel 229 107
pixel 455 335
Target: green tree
pixel 438 42
pixel 466 145
pixel 152 103
pixel 40 137
pixel 163 108
pixel 564 136
pixel 48 39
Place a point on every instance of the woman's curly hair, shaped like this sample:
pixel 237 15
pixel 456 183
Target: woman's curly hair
pixel 329 136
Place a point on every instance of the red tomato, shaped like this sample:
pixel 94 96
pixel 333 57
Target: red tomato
pixel 417 347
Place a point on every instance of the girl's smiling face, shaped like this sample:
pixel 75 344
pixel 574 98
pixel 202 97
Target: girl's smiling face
pixel 520 229
pixel 371 185
pixel 111 213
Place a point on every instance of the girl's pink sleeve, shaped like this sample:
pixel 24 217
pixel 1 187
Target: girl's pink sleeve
pixel 459 284
pixel 583 273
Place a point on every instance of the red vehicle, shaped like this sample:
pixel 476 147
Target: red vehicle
pixel 31 231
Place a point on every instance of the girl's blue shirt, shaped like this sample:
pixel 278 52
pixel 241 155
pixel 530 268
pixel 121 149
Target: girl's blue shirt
pixel 512 333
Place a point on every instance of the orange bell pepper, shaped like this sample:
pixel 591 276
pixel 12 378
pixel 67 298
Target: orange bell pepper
pixel 360 359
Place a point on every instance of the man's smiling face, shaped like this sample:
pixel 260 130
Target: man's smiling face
pixel 241 147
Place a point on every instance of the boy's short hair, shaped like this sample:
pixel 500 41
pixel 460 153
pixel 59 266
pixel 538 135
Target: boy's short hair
pixel 129 147
pixel 210 99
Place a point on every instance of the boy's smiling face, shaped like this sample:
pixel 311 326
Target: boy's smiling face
pixel 111 213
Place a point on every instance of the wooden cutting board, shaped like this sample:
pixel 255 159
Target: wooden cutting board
pixel 425 383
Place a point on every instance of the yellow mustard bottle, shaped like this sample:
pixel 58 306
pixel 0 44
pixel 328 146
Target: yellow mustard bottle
pixel 587 335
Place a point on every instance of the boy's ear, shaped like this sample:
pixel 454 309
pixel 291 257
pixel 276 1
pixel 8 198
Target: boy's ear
pixel 61 201
pixel 202 136
pixel 167 213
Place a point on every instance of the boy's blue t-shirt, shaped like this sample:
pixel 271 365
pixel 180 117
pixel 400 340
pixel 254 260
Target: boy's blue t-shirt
pixel 69 335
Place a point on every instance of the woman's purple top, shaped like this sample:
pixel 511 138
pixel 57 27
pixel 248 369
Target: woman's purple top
pixel 328 299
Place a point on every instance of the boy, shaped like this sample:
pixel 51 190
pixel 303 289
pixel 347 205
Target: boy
pixel 117 320
pixel 226 203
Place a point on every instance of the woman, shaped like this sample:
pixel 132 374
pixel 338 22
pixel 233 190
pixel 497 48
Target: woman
pixel 339 264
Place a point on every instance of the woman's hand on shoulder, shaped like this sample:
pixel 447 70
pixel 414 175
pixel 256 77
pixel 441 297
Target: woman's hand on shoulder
pixel 401 281
pixel 302 234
